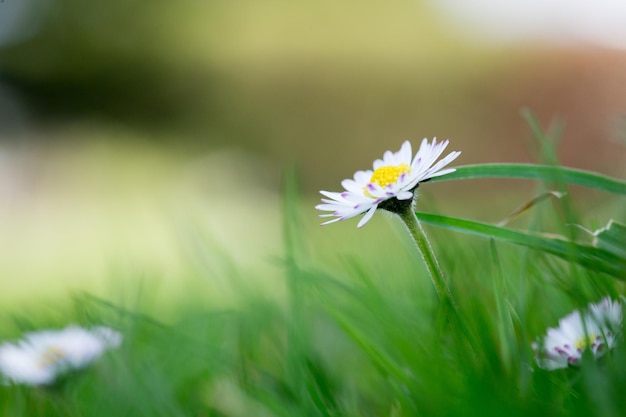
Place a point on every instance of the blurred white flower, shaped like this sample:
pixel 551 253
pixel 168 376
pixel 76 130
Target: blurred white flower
pixel 41 356
pixel 397 176
pixel 594 330
pixel 607 313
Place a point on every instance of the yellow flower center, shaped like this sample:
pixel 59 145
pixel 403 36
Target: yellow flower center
pixel 584 342
pixel 50 356
pixel 389 174
pixel 386 175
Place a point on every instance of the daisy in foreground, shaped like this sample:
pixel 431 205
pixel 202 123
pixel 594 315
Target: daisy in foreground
pixel 392 186
pixel 42 356
pixel 596 330
pixel 394 179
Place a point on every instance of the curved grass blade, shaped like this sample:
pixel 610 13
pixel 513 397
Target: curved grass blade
pixel 592 257
pixel 528 205
pixel 612 238
pixel 538 172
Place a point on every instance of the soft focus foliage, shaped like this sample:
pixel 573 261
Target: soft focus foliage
pixel 146 151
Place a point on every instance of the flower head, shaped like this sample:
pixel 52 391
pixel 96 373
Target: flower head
pixel 594 330
pixel 41 356
pixel 395 176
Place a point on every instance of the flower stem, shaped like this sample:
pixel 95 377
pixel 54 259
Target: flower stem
pixel 423 245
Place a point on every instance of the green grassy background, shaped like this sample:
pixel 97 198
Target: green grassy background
pixel 144 186
pixel 341 334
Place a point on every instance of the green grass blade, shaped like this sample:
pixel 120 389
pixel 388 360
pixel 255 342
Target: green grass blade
pixel 591 257
pixel 538 172
pixel 612 238
pixel 504 323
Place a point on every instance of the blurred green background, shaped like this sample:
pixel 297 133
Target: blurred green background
pixel 136 133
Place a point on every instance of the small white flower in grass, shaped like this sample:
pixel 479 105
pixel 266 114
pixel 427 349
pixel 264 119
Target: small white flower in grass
pixel 594 330
pixel 396 176
pixel 42 356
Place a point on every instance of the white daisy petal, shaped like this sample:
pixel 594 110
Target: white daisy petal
pixel 367 217
pixel 405 154
pixel 332 195
pixel 429 155
pixel 326 207
pixel 375 190
pixel 404 195
pixel 607 312
pixel 377 164
pixel 395 175
pixel 17 364
pixel 424 149
pixel 436 171
pixel 363 177
pixel 352 186
pixel 442 172
pixel 390 158
pixel 332 221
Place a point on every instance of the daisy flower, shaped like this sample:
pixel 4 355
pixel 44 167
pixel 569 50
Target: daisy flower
pixel 393 179
pixel 41 356
pixel 594 330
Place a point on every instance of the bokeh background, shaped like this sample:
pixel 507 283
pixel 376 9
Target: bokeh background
pixel 143 140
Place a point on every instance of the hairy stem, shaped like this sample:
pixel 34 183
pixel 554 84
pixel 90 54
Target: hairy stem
pixel 423 245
